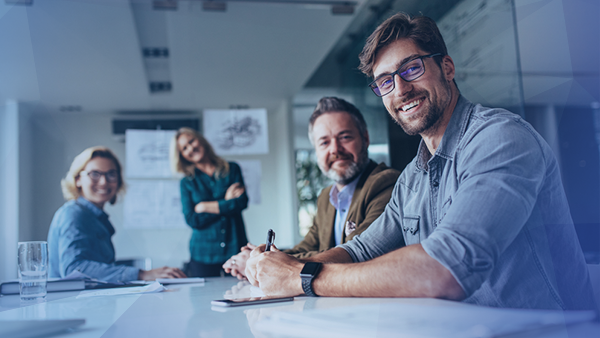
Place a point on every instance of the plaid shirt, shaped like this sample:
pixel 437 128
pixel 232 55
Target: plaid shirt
pixel 215 237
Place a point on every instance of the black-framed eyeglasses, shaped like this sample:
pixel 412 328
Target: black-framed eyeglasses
pixel 95 175
pixel 408 71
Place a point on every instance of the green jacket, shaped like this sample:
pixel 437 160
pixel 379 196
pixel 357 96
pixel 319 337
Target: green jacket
pixel 215 238
pixel 371 195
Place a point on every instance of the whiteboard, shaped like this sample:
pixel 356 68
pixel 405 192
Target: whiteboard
pixel 237 131
pixel 480 37
pixel 152 204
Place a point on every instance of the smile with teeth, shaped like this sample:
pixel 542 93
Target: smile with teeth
pixel 410 105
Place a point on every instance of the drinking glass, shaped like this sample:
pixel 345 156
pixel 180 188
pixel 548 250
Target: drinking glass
pixel 33 270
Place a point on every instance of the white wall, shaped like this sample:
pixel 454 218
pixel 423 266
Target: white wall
pixel 58 138
pixel 9 189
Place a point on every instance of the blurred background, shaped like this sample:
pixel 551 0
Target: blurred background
pixel 77 73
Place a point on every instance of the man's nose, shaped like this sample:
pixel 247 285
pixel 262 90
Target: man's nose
pixel 401 87
pixel 336 147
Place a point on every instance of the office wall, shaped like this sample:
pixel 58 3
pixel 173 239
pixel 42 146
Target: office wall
pixel 9 189
pixel 57 138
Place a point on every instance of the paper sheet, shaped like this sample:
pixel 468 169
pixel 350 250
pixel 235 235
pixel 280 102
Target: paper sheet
pixel 414 320
pixel 147 153
pixel 136 290
pixel 237 131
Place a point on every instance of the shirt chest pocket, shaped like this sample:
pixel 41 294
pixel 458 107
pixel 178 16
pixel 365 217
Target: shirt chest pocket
pixel 410 228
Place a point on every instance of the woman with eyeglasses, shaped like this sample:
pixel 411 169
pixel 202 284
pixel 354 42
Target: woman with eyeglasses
pixel 80 234
pixel 212 197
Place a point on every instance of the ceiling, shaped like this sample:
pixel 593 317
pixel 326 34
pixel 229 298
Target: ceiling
pixel 87 53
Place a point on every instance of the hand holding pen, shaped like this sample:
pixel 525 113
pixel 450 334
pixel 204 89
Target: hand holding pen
pixel 270 239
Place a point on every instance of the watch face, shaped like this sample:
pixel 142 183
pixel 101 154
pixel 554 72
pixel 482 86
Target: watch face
pixel 310 268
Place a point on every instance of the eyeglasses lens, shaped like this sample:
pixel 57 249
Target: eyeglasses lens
pixel 412 70
pixel 408 72
pixel 111 176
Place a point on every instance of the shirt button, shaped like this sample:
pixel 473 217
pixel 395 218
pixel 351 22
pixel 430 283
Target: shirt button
pixel 222 231
pixel 222 244
pixel 343 210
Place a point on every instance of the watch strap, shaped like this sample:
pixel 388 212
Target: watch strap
pixel 308 277
pixel 307 286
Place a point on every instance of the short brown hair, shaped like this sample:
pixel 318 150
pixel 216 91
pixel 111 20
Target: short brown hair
pixel 420 29
pixel 181 165
pixel 68 184
pixel 334 104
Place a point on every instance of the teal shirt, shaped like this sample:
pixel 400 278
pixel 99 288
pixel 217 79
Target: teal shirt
pixel 215 237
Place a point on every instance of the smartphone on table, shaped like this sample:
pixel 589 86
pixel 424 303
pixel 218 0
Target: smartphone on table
pixel 249 301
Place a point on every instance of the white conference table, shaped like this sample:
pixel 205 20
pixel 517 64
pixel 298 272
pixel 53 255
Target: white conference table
pixel 186 311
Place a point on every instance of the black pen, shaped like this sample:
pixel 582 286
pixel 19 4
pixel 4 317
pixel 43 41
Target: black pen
pixel 270 239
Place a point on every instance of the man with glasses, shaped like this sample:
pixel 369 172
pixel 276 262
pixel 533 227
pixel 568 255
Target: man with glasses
pixel 479 215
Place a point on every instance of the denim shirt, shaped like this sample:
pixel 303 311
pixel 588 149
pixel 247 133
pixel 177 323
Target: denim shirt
pixel 80 239
pixel 215 237
pixel 490 207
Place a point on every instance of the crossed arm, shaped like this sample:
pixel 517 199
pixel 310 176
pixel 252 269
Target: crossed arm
pixel 405 272
pixel 212 207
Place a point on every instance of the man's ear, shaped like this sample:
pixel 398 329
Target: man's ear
pixel 448 68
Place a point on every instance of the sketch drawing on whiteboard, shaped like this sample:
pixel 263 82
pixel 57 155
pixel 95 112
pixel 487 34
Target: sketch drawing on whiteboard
pixel 239 132
pixel 148 153
pixel 152 152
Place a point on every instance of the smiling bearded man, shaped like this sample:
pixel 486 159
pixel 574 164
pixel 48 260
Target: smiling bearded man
pixel 361 191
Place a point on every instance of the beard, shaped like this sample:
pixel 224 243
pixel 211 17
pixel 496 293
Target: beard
pixel 347 175
pixel 430 115
pixel 424 122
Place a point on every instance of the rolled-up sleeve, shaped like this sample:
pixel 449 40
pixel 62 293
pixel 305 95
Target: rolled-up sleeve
pixel 500 170
pixel 382 236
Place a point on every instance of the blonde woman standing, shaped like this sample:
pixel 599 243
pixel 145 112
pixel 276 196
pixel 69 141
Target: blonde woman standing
pixel 212 197
pixel 80 234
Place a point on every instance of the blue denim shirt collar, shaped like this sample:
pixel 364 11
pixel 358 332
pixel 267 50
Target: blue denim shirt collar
pixel 454 132
pixel 99 213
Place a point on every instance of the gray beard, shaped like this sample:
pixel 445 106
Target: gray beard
pixel 352 171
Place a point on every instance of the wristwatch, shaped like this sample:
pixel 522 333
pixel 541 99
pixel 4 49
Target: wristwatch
pixel 308 273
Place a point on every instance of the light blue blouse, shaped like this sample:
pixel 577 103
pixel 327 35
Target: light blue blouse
pixel 80 239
